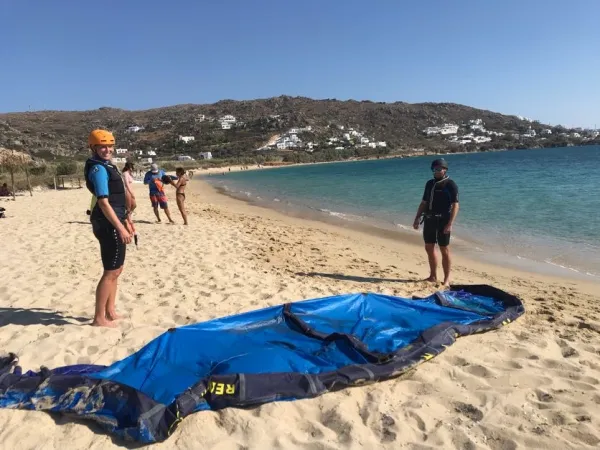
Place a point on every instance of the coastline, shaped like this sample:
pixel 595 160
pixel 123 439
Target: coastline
pixel 533 383
pixel 463 246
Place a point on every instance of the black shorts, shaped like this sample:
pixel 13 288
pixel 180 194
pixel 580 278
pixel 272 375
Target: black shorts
pixel 433 231
pixel 112 249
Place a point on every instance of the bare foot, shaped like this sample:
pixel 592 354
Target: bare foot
pixel 431 279
pixel 103 323
pixel 112 315
pixel 185 223
pixel 446 285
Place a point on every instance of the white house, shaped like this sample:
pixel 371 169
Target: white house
pixel 146 160
pixel 347 136
pixel 119 160
pixel 200 118
pixel 546 131
pixel 187 139
pixel 530 133
pixel 121 151
pixel 482 139
pixel 228 118
pixel 576 135
pixel 206 155
pixel 448 128
pixel 364 140
pixel 382 144
pixel 476 122
pixel 294 131
pixel 372 144
pixel 226 125
pixel 151 153
pixel 134 129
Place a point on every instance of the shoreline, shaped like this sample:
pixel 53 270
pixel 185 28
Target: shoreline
pixel 531 383
pixel 462 246
pixel 404 239
pixel 413 154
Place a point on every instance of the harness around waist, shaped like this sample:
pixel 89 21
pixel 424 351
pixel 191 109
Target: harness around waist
pixel 433 216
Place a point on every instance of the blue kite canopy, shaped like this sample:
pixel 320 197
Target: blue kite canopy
pixel 286 352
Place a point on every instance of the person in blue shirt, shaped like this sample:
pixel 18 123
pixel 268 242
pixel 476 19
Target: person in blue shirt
pixel 108 216
pixel 153 179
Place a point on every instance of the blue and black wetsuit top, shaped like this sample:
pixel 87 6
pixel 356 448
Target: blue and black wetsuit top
pixel 104 180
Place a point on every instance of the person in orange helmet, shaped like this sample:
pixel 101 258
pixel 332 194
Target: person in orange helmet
pixel 108 218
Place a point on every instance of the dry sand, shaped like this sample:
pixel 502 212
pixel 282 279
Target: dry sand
pixel 532 384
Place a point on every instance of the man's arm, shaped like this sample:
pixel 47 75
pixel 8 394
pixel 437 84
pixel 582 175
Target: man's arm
pixel 147 177
pixel 453 212
pixel 454 207
pixel 420 211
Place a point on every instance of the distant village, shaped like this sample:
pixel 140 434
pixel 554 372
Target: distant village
pixel 478 134
pixel 289 140
pixel 340 137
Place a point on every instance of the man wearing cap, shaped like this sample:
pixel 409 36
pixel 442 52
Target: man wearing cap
pixel 438 210
pixel 157 194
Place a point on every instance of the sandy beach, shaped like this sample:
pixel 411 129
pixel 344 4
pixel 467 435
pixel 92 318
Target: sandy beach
pixel 532 384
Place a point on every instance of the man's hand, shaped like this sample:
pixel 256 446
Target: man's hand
pixel 124 235
pixel 448 228
pixel 416 223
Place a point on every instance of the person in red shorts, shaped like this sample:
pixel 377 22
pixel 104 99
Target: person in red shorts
pixel 157 192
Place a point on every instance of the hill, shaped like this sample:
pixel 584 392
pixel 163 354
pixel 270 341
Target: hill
pixel 289 128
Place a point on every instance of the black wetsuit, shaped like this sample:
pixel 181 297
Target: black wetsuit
pixel 439 195
pixel 112 249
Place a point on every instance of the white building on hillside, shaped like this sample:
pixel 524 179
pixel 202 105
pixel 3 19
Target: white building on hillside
pixel 121 151
pixel 187 139
pixel 446 129
pixel 226 125
pixel 206 155
pixel 228 118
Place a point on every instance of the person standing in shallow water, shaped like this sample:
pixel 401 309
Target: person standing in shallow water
pixel 107 216
pixel 438 210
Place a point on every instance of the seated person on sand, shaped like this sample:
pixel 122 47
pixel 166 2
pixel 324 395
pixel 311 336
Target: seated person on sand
pixel 4 191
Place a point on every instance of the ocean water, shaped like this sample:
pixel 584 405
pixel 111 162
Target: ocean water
pixel 538 209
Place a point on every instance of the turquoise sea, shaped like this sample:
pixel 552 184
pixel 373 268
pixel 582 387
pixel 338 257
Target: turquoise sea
pixel 537 209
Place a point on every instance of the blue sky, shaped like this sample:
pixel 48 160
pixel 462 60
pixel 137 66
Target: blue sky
pixel 537 58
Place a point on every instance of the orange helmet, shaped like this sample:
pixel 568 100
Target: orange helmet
pixel 101 137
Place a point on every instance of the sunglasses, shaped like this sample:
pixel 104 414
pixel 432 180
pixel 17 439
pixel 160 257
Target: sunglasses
pixel 437 169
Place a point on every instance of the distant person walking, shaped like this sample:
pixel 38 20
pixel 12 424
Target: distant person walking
pixel 438 210
pixel 153 179
pixel 108 215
